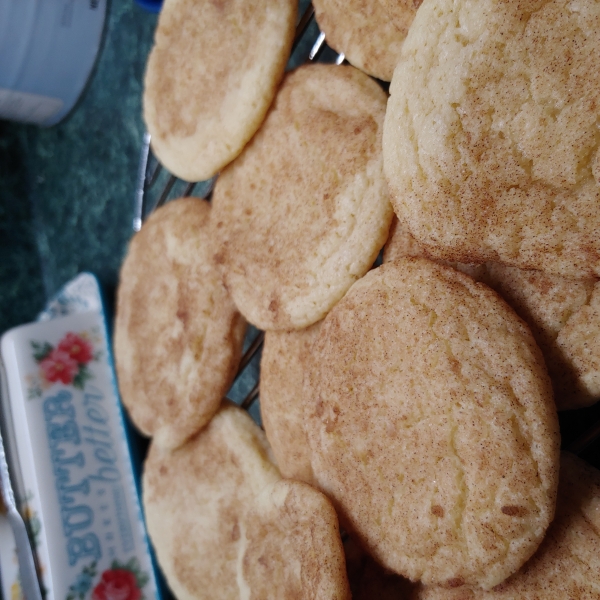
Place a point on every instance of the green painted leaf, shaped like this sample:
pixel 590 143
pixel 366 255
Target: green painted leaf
pixel 82 376
pixel 40 351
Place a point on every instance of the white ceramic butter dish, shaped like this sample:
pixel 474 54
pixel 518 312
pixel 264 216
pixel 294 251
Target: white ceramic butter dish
pixel 73 456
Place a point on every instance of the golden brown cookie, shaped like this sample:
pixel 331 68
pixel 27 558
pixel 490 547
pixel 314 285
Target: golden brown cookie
pixel 490 145
pixel 292 546
pixel 195 501
pixel 178 335
pixel 363 31
pixel 224 524
pixel 303 211
pixel 563 315
pixel 567 564
pixel 282 367
pixel 211 76
pixel 432 425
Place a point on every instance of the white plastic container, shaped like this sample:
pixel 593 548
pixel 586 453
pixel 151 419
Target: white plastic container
pixel 47 52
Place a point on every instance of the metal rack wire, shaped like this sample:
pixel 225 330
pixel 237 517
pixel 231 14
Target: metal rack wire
pixel 155 186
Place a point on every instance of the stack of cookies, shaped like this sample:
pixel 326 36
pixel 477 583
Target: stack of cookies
pixel 412 405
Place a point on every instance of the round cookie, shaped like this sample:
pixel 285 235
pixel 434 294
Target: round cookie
pixel 178 335
pixel 563 314
pixel 292 546
pixel 490 145
pixel 432 425
pixel 225 525
pixel 363 31
pixel 282 369
pixel 567 563
pixel 195 500
pixel 211 76
pixel 303 211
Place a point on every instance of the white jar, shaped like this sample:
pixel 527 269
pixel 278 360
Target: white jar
pixel 47 52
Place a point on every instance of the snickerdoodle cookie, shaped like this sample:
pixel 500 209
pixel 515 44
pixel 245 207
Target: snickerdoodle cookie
pixel 282 369
pixel 432 425
pixel 225 525
pixel 292 546
pixel 563 314
pixel 567 563
pixel 302 213
pixel 211 76
pixel 195 501
pixel 364 32
pixel 490 140
pixel 178 335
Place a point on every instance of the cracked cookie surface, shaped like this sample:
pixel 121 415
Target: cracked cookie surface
pixel 292 546
pixel 195 500
pixel 432 425
pixel 225 525
pixel 567 563
pixel 491 137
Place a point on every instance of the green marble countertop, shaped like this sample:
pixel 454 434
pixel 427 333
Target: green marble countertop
pixel 66 192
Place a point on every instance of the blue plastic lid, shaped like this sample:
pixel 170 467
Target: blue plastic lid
pixel 151 5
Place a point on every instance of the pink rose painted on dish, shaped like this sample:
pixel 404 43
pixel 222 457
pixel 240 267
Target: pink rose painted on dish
pixel 59 366
pixel 117 584
pixel 68 362
pixel 122 581
pixel 77 348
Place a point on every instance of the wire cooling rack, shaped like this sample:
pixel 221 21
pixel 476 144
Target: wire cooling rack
pixel 580 429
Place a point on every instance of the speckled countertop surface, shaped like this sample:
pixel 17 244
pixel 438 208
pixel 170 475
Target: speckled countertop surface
pixel 66 192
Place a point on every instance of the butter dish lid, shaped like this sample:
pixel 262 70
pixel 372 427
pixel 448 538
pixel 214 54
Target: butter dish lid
pixel 77 483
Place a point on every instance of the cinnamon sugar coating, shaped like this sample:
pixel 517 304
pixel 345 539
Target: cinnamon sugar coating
pixel 432 426
pixel 563 314
pixel 283 363
pixel 567 563
pixel 303 212
pixel 178 336
pixel 491 139
pixel 364 32
pixel 212 73
pixel 225 525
